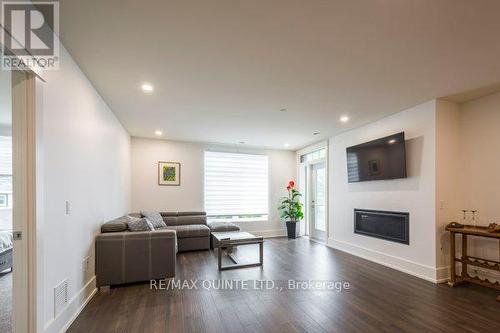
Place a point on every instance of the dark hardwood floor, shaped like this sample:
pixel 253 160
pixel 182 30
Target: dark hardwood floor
pixel 380 299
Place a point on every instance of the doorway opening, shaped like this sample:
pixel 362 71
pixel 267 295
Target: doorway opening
pixel 6 202
pixel 313 183
pixel 17 201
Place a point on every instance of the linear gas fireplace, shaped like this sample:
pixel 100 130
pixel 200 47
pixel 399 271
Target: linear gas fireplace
pixel 391 226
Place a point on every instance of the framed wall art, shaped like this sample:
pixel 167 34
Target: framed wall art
pixel 169 173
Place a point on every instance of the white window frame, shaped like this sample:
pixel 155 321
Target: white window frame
pixel 5 203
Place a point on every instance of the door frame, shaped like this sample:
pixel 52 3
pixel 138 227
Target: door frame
pixel 313 232
pixel 24 291
pixel 303 178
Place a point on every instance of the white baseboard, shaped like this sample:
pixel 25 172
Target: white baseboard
pixel 406 266
pixel 63 321
pixel 269 233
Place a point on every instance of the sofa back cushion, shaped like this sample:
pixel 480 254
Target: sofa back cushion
pixel 192 219
pixel 170 220
pixel 180 218
pixel 117 225
pixel 184 218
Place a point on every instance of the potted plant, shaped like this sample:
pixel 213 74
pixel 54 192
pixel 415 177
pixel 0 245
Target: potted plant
pixel 290 209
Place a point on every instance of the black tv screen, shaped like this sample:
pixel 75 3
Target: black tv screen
pixel 379 159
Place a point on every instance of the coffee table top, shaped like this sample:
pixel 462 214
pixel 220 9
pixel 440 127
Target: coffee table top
pixel 235 235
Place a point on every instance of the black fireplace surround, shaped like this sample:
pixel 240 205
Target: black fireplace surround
pixel 391 226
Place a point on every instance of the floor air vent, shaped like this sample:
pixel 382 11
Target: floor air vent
pixel 60 297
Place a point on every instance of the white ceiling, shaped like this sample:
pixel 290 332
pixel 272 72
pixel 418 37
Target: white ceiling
pixel 222 70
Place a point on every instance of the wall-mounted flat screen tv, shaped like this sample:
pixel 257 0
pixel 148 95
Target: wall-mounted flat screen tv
pixel 379 159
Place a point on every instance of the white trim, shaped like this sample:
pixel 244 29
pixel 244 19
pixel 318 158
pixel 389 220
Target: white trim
pixel 312 239
pixel 313 147
pixel 325 144
pixel 403 265
pixel 75 306
pixel 24 309
pixel 40 206
pixel 269 233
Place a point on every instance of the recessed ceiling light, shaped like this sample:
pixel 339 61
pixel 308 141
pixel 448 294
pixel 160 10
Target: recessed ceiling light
pixel 316 133
pixel 391 141
pixel 158 132
pixel 286 145
pixel 344 119
pixel 147 87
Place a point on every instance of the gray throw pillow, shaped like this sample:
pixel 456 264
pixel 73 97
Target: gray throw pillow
pixel 155 219
pixel 139 224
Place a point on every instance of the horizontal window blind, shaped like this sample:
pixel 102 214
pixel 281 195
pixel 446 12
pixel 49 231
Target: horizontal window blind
pixel 5 155
pixel 236 184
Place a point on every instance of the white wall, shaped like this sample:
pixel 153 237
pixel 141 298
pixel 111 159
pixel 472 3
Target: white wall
pixel 480 158
pixel 85 159
pixel 415 195
pixel 147 194
pixel 448 175
pixel 467 174
pixel 479 168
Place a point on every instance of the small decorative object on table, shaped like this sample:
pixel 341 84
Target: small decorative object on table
pixel 290 209
pixel 454 225
pixel 169 173
pixel 493 227
pixel 474 217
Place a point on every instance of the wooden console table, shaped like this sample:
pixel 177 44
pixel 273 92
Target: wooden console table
pixel 467 260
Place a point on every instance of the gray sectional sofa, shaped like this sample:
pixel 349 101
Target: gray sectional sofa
pixel 191 229
pixel 123 256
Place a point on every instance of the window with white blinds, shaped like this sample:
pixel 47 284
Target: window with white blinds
pixel 236 186
pixel 5 155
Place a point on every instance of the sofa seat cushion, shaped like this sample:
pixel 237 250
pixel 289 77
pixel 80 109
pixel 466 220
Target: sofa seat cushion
pixel 223 227
pixel 190 231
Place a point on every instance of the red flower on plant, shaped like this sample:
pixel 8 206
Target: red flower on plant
pixel 288 188
pixel 291 183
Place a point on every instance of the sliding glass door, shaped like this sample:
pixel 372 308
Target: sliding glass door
pixel 313 180
pixel 318 201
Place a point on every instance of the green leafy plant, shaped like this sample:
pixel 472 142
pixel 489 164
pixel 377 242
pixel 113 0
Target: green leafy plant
pixel 290 208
